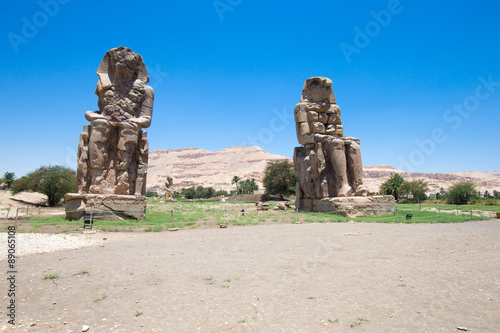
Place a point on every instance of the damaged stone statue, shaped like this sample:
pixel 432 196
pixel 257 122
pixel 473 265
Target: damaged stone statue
pixel 169 190
pixel 113 149
pixel 329 164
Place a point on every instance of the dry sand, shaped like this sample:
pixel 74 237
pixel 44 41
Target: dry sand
pixel 269 278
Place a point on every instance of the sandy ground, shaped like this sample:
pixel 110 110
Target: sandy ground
pixel 268 278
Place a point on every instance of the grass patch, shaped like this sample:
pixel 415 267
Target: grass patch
pixel 100 297
pixel 209 279
pixel 154 228
pixel 245 222
pixel 50 275
pixel 461 208
pixel 358 321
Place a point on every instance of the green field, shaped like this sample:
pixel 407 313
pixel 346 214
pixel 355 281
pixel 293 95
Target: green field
pixel 206 213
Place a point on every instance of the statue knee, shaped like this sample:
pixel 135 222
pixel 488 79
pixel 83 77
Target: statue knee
pixel 335 144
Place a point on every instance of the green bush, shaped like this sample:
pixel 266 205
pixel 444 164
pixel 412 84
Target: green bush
pixel 461 193
pixel 54 181
pixel 280 178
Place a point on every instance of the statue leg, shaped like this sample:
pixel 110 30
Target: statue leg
pixel 336 152
pixel 81 176
pixel 100 132
pixel 322 181
pixel 142 164
pixel 355 167
pixel 305 162
pixel 354 164
pixel 127 147
pixel 82 161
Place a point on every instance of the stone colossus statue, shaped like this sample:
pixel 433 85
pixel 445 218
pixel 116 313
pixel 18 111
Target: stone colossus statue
pixel 113 150
pixel 329 163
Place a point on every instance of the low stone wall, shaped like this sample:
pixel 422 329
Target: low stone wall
pixel 350 206
pixel 105 207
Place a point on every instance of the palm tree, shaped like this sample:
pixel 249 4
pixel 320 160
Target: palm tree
pixel 392 185
pixel 236 180
pixel 8 178
pixel 253 185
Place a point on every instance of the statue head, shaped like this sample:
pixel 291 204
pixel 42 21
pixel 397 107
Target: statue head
pixel 122 65
pixel 318 90
pixel 169 182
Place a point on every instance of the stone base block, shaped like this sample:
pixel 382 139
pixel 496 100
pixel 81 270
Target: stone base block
pixel 105 207
pixel 350 206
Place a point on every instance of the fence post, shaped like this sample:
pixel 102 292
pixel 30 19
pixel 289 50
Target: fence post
pixel 397 215
pixel 91 211
pixel 17 213
pixel 439 216
pixel 471 214
pixel 172 213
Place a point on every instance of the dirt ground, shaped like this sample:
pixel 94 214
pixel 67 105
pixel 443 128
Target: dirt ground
pixel 25 204
pixel 331 277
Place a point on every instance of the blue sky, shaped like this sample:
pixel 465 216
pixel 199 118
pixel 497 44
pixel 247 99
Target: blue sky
pixel 418 82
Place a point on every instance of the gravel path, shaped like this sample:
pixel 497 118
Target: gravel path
pixel 43 243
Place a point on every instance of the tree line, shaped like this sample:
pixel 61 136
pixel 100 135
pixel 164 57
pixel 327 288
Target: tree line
pixel 280 178
pixel 460 193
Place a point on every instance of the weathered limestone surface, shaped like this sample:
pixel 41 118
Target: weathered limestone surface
pixel 105 206
pixel 329 164
pixel 113 149
pixel 350 206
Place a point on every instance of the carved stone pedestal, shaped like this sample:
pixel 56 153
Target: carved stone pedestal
pixel 105 207
pixel 350 206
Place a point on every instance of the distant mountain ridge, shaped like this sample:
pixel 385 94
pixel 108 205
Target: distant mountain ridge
pixel 196 166
pixel 375 175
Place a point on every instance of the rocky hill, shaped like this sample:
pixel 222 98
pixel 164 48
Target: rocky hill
pixel 195 166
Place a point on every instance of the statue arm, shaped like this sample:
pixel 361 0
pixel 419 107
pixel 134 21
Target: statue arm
pixel 91 115
pixel 147 109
